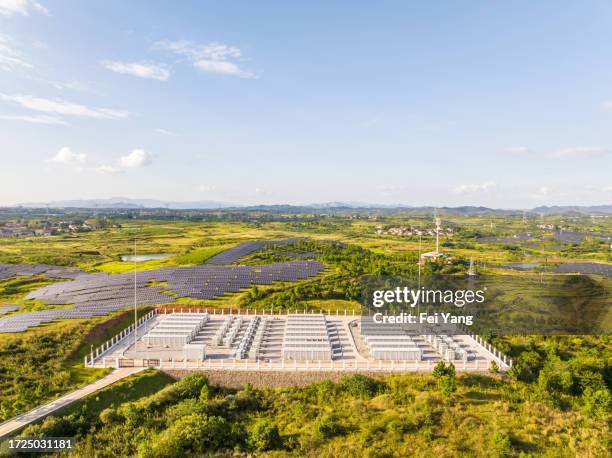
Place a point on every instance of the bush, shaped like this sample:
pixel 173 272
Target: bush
pixel 442 370
pixel 264 435
pixel 448 385
pixel 193 433
pixel 191 386
pixel 52 427
pixel 493 368
pixel 360 386
pixel 526 367
pixel 326 426
pixel 501 445
pixel 597 403
pixel 425 412
pixel 108 416
pixel 447 379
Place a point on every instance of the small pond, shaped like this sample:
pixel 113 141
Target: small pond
pixel 145 257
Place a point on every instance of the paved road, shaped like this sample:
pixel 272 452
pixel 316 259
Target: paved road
pixel 14 424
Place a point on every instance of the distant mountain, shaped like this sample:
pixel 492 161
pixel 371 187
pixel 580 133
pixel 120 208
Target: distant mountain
pixel 127 203
pixel 324 207
pixel 580 209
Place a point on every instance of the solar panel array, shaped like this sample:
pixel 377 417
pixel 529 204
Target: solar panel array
pixel 577 237
pixel 244 249
pixel 6 308
pixel 100 293
pixel 584 268
pixel 27 270
pixel 593 268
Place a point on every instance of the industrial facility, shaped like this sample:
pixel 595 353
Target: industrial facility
pixel 245 339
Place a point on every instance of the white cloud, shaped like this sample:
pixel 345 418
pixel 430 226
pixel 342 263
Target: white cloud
pixel 544 190
pixel 61 107
pixel 579 152
pixel 518 150
pixel 207 188
pixel 10 58
pixel 139 69
pixel 475 188
pixel 211 58
pixel 218 66
pixel 23 7
pixel 262 191
pixel 137 158
pixel 105 169
pixel 166 132
pixel 42 119
pixel 67 156
pixel 607 105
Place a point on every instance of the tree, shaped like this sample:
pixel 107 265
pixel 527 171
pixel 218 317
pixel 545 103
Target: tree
pixel 439 370
pixel 447 377
pixel 448 385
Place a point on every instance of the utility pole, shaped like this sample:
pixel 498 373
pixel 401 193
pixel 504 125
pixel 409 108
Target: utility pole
pixel 135 301
pixel 419 286
pixel 437 234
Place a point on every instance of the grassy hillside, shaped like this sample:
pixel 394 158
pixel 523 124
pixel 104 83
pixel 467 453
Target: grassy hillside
pixel 47 361
pixel 394 416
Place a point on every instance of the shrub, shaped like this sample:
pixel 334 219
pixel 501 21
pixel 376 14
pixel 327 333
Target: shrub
pixel 442 370
pixel 425 412
pixel 597 403
pixel 191 385
pixel 52 427
pixel 493 368
pixel 501 445
pixel 183 409
pixel 193 433
pixel 448 385
pixel 428 435
pixel 108 416
pixel 326 426
pixel 205 393
pixel 360 386
pixel 526 367
pixel 263 435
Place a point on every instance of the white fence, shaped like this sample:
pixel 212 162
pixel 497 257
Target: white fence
pixel 481 365
pixel 110 344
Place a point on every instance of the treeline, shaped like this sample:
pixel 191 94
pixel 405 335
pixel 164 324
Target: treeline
pixel 346 265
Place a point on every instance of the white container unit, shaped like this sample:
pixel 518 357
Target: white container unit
pixel 194 352
pixel 175 330
pixel 397 353
pixel 306 338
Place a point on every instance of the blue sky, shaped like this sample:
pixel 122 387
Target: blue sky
pixel 439 103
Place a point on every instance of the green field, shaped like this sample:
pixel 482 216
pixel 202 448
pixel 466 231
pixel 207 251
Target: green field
pixel 556 400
